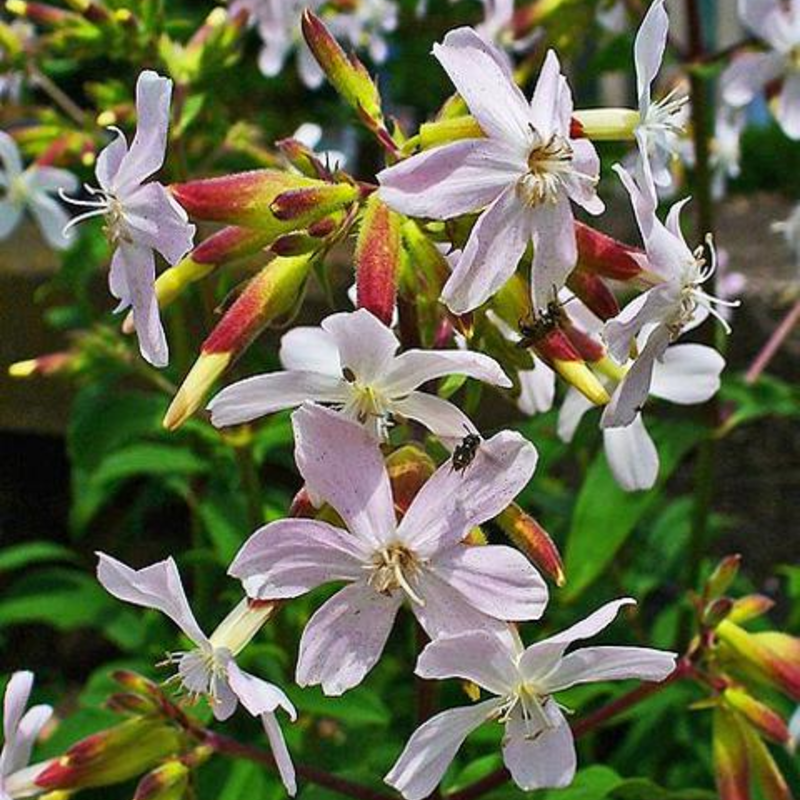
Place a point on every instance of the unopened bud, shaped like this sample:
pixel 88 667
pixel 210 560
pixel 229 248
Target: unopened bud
pixel 533 540
pixel 750 607
pixel 170 781
pixel 765 771
pixel 40 13
pixel 607 124
pixel 723 576
pixel 445 131
pixel 590 289
pixel 409 468
pixel 716 611
pixel 50 364
pixel 602 255
pixel 731 765
pixel 313 202
pixel 760 716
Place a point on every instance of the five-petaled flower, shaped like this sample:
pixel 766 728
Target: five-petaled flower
pixel 776 22
pixel 538 747
pixel 210 669
pixel 452 587
pixel 31 189
pixel 141 218
pixel 350 363
pixel 522 176
pixel 20 731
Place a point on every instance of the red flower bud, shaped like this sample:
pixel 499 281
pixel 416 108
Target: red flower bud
pixel 605 256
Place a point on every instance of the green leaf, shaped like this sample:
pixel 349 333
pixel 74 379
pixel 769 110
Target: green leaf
pixel 592 783
pixel 24 555
pixel 358 707
pixel 643 789
pixel 768 397
pixel 148 459
pixel 605 515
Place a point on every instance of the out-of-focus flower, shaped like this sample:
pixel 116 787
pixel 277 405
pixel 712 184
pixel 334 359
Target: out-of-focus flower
pixel 661 123
pixel 210 669
pixel 366 25
pixel 777 23
pixel 20 731
pixel 789 228
pixel 21 34
pixel 674 305
pixel 141 218
pixel 32 189
pixel 310 134
pixel 452 587
pixel 525 174
pixel 613 16
pixel 726 149
pixel 350 363
pixel 538 746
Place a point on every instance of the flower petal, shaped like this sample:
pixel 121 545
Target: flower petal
pixel 17 750
pixel 482 78
pixel 555 250
pixel 256 695
pixel 366 346
pixel 157 586
pixel 451 503
pixel 748 74
pixel 290 557
pixel 788 113
pixel 51 179
pixel 324 440
pixel 475 656
pixel 310 349
pixel 494 248
pixel 51 219
pixel 687 374
pixel 10 157
pixel 265 394
pixel 572 410
pixel 344 639
pixel 441 417
pixel 283 761
pixel 495 579
pixel 545 106
pixel 450 180
pixel 537 388
pixel 648 51
pixel 10 217
pixel 632 456
pixel 110 159
pixel 433 746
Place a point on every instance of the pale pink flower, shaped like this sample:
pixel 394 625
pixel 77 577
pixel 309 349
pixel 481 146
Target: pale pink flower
pixel 523 176
pixel 21 728
pixel 451 586
pixel 538 746
pixel 777 23
pixel 350 362
pixel 209 669
pixel 141 218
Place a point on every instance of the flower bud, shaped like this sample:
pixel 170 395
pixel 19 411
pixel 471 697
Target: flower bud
pixel 112 756
pixel 731 765
pixel 602 255
pixel 270 295
pixel 170 781
pixel 533 540
pixel 606 124
pixel 750 607
pixel 302 505
pixel 303 158
pixel 760 716
pixel 40 13
pixel 765 771
pixel 312 202
pixel 723 576
pixel 378 260
pixel 44 366
pixel 446 131
pixel 409 469
pixel 716 611
pixel 593 293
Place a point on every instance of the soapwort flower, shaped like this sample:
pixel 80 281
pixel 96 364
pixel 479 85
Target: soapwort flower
pixel 20 731
pixel 538 746
pixel 349 362
pixel 523 176
pixel 777 23
pixel 141 218
pixel 32 189
pixel 451 586
pixel 210 668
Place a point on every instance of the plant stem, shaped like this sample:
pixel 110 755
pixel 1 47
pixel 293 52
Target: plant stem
pixel 60 98
pixel 251 484
pixel 231 747
pixel 582 727
pixel 774 344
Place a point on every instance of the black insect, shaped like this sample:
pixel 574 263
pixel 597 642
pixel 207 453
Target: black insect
pixel 543 324
pixel 465 452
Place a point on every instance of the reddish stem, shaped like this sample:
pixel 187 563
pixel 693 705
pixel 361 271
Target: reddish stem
pixel 774 344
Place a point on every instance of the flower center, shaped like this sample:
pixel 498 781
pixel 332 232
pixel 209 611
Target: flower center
pixel 532 704
pixel 366 403
pixel 392 568
pixel 549 163
pixel 201 671
pixel 105 205
pixel 17 192
pixel 666 117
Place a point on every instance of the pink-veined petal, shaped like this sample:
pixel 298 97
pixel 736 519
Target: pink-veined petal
pixel 555 250
pixel 344 639
pixel 157 586
pixel 311 350
pixel 631 455
pixel 647 309
pixel 433 746
pixel 451 503
pixel 257 695
pixel 495 579
pixel 687 374
pixel 582 187
pixel 494 248
pixel 256 397
pixel 450 180
pixel 544 106
pixel 483 80
pixel 290 557
pixel 441 417
pixel 361 494
pixel 475 656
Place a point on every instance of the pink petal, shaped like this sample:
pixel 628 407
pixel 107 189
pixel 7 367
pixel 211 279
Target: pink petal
pixel 582 188
pixel 687 374
pixel 433 746
pixel 544 760
pixel 157 586
pixel 495 579
pixel 17 750
pixel 283 761
pixel 324 440
pixel 366 346
pixel 555 250
pixel 51 218
pixel 648 52
pixel 594 664
pixel 482 78
pixel 493 250
pixel 545 107
pixel 763 17
pixel 265 394
pixel 290 557
pixel 631 455
pixel 344 639
pixel 451 180
pixel 537 389
pixel 573 408
pixel 647 309
pixel 451 503
pixel 788 113
pixel 476 656
pixel 439 416
pixel 747 76
pixel 415 367
pixel 110 159
pixel 18 692
pixel 256 695
pixel 310 350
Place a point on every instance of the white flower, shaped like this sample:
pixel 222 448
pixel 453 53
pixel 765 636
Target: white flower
pixel 350 362
pixel 210 669
pixel 32 189
pixel 538 747
pixel 789 228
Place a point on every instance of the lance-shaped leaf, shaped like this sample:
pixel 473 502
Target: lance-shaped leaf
pixel 270 295
pixel 759 715
pixel 731 765
pixel 378 259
